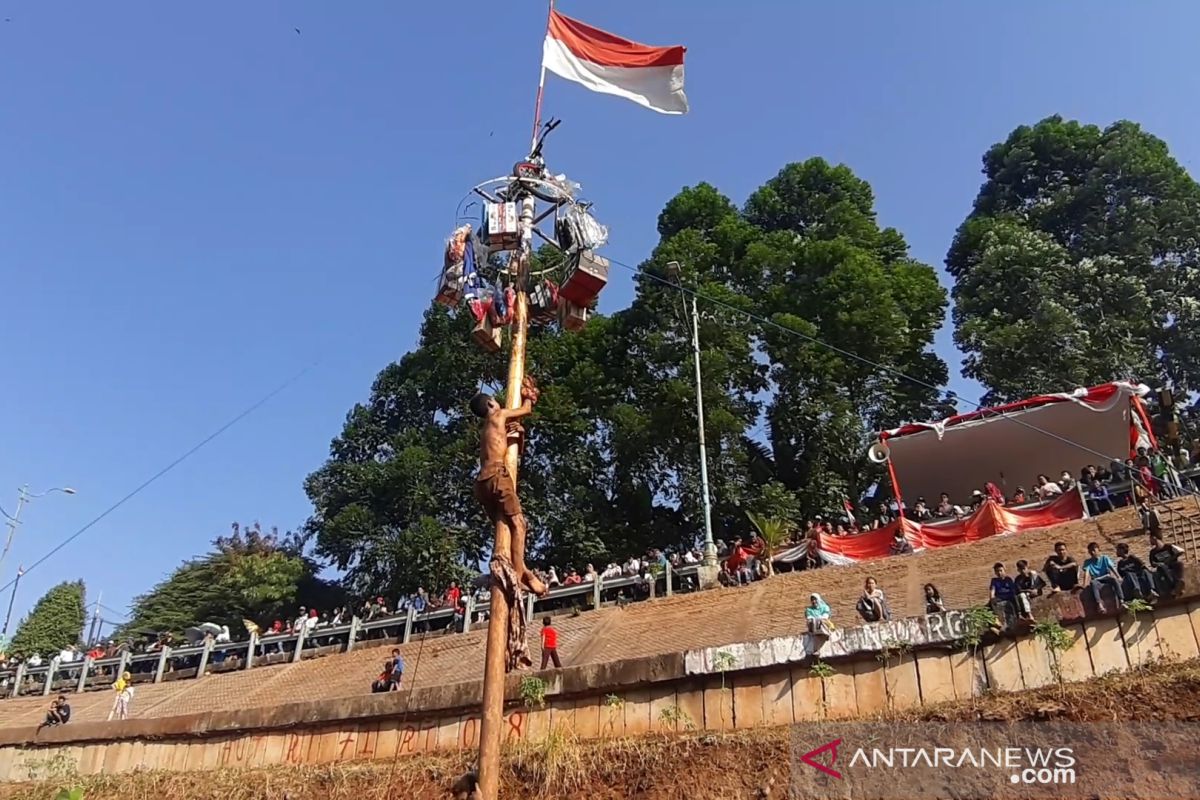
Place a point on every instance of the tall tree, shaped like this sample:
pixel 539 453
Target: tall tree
pixel 247 575
pixel 54 623
pixel 847 311
pixel 1079 263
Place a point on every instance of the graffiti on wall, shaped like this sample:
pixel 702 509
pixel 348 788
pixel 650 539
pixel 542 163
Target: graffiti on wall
pixel 943 628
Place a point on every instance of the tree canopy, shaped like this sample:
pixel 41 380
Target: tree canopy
pixel 611 464
pixel 247 575
pixel 54 623
pixel 1079 263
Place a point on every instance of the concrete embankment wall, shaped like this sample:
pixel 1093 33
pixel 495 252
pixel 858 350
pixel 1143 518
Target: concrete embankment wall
pixel 735 687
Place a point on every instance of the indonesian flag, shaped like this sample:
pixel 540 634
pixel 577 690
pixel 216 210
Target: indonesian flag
pixel 649 76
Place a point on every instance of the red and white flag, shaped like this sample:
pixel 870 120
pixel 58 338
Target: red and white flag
pixel 649 76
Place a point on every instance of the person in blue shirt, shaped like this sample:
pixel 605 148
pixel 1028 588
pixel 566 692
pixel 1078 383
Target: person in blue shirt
pixel 1100 570
pixel 1003 592
pixel 395 670
pixel 1099 498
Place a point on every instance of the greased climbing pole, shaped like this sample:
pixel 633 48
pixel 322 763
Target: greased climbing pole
pixel 490 273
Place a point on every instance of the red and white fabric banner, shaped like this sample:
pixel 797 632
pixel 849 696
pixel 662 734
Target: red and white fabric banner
pixel 603 62
pixel 991 519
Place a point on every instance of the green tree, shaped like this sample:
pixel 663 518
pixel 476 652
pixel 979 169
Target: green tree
pixel 808 254
pixel 1078 263
pixel 54 623
pixel 247 575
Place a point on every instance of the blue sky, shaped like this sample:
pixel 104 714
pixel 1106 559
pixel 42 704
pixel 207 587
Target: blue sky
pixel 196 201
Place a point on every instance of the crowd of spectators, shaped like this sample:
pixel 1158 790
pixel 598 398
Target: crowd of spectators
pixel 1138 480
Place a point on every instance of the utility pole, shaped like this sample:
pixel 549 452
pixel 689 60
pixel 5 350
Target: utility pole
pixel 23 497
pixel 710 547
pixel 674 270
pixel 11 599
pixel 492 719
pixel 94 628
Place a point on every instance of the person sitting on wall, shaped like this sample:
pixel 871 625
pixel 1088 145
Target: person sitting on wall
pixel 900 545
pixel 1167 567
pixel 817 615
pixel 1061 571
pixel 812 552
pixel 1099 498
pixel 1019 497
pixel 1046 488
pixel 872 605
pixel 934 604
pixel 1002 592
pixel 59 713
pixel 1136 579
pixel 1100 570
pixel 920 511
pixel 383 682
pixel 1029 585
pixel 947 509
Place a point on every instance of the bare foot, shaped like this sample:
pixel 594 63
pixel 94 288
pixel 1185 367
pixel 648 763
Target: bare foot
pixel 533 583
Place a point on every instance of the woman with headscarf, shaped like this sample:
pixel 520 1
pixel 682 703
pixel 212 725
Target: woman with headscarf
pixel 817 614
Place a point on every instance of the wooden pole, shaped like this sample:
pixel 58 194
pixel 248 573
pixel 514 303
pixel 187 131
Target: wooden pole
pixel 492 722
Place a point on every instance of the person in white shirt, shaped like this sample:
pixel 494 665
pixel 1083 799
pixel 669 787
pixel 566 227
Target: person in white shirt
pixel 223 637
pixel 34 660
pixel 66 656
pixel 1047 488
pixel 690 557
pixel 589 575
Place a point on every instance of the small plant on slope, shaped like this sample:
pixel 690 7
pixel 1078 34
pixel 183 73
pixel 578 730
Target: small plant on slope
pixel 533 692
pixel 1056 639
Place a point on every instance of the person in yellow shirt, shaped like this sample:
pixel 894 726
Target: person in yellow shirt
pixel 123 686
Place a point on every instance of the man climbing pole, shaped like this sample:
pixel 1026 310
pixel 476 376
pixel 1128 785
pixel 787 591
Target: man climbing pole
pixel 497 493
pixel 494 487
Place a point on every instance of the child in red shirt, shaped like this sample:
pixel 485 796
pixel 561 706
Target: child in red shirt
pixel 549 644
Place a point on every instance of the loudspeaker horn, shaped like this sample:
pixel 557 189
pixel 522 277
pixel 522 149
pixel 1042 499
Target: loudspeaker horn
pixel 879 453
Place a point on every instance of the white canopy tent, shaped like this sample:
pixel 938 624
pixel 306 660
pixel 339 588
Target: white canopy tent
pixel 1011 445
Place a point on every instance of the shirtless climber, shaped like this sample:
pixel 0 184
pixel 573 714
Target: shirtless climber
pixel 494 487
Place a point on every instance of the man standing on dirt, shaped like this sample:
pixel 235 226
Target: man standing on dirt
pixel 494 486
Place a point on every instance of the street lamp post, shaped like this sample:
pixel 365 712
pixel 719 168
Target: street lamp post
pixel 23 497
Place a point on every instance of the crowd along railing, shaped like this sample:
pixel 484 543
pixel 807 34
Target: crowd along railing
pixel 189 661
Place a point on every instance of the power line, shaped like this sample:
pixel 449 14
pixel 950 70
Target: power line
pixel 186 455
pixel 111 610
pixel 848 354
